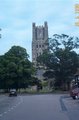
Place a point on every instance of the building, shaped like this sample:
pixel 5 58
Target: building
pixel 39 40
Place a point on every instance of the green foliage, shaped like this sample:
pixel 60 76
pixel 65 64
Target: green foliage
pixel 61 60
pixel 49 74
pixel 67 42
pixel 15 68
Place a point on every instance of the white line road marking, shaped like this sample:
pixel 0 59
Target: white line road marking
pixel 5 112
pixel 10 109
pixel 1 115
pixel 15 106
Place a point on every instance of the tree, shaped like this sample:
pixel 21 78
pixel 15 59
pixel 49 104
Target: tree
pixel 61 58
pixel 16 70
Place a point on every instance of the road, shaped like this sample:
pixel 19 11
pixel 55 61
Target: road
pixel 39 107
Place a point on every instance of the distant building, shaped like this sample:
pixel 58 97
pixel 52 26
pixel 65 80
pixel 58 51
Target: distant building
pixel 39 40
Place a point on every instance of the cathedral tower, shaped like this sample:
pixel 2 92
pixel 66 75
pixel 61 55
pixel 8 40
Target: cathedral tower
pixel 39 40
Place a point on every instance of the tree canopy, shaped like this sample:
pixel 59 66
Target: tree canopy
pixel 15 68
pixel 61 58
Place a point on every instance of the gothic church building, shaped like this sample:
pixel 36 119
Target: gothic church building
pixel 39 40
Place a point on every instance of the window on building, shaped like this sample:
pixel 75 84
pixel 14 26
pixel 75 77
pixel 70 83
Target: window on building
pixel 37 54
pixel 36 46
pixel 40 46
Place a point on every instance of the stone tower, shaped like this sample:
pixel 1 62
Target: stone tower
pixel 39 40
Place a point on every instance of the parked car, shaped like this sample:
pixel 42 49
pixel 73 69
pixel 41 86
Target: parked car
pixel 74 89
pixel 12 92
pixel 74 92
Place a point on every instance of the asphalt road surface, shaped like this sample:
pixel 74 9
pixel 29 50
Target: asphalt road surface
pixel 39 107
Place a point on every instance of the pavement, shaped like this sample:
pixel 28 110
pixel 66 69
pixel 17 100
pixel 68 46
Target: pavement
pixel 39 107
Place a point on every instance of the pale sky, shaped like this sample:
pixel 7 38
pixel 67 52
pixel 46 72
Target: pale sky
pixel 17 16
